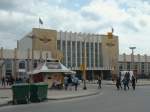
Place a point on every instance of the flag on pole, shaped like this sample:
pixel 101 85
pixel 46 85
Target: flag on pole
pixel 112 30
pixel 40 21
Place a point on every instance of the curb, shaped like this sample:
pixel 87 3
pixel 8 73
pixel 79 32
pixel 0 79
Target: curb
pixel 62 98
pixel 6 104
pixel 4 88
pixel 72 97
pixel 136 85
pixel 143 85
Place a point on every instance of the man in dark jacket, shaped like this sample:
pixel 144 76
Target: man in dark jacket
pixel 118 83
pixel 124 82
pixel 99 82
pixel 133 82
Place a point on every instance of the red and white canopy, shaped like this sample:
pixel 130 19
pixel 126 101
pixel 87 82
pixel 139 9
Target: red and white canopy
pixel 51 67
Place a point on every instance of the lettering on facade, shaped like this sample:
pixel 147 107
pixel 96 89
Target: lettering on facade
pixel 110 44
pixel 45 40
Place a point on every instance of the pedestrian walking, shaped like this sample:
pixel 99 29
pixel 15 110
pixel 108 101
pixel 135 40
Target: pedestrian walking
pixel 3 81
pixel 66 82
pixel 99 82
pixel 7 81
pixel 133 82
pixel 70 83
pixel 11 80
pixel 127 76
pixel 118 83
pixel 124 83
pixel 76 82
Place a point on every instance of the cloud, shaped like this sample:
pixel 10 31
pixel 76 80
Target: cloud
pixel 130 26
pixel 130 19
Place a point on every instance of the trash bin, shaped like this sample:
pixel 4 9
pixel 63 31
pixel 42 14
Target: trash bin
pixel 21 93
pixel 38 92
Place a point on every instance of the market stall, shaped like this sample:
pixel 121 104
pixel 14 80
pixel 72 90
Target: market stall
pixel 50 72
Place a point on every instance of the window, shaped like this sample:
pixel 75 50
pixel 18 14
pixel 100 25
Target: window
pixel 149 66
pixel 58 44
pixel 92 55
pixel 78 54
pixel 35 64
pixel 128 66
pixel 69 53
pixel 100 55
pixel 83 50
pixel 87 54
pixel 73 53
pixel 142 65
pixel 120 67
pixel 8 66
pixel 136 66
pixel 96 54
pixel 64 52
pixel 22 65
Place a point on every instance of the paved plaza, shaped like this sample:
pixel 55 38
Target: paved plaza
pixel 108 100
pixel 6 93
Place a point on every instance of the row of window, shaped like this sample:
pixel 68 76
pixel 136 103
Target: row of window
pixel 21 65
pixel 128 66
pixel 77 50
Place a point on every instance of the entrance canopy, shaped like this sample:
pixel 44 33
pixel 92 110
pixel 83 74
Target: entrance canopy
pixel 51 67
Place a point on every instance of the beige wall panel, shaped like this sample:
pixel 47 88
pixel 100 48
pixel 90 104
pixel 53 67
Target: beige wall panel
pixel 128 58
pixel 25 43
pixel 22 54
pixel 8 53
pixel 110 52
pixel 45 40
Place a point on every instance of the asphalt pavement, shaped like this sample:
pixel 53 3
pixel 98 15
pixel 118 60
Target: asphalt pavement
pixel 6 94
pixel 109 100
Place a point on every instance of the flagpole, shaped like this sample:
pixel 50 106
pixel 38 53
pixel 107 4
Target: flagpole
pixel 40 22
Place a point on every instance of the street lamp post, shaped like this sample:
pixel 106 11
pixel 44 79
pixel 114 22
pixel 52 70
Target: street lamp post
pixel 132 57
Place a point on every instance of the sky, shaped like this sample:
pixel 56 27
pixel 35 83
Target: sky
pixel 129 18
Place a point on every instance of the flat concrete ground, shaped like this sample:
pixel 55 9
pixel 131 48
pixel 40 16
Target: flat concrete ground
pixel 109 100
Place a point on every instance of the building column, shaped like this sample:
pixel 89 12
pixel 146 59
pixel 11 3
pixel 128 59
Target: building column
pixel 146 65
pixel 13 67
pixel 76 51
pixel 147 68
pixel 93 52
pixel 28 60
pixel 4 71
pixel 66 49
pixel 98 53
pixel 61 47
pixel 61 41
pixel 32 52
pixel 2 64
pixel 71 49
pixel 90 65
pixel 81 53
pixel 15 73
